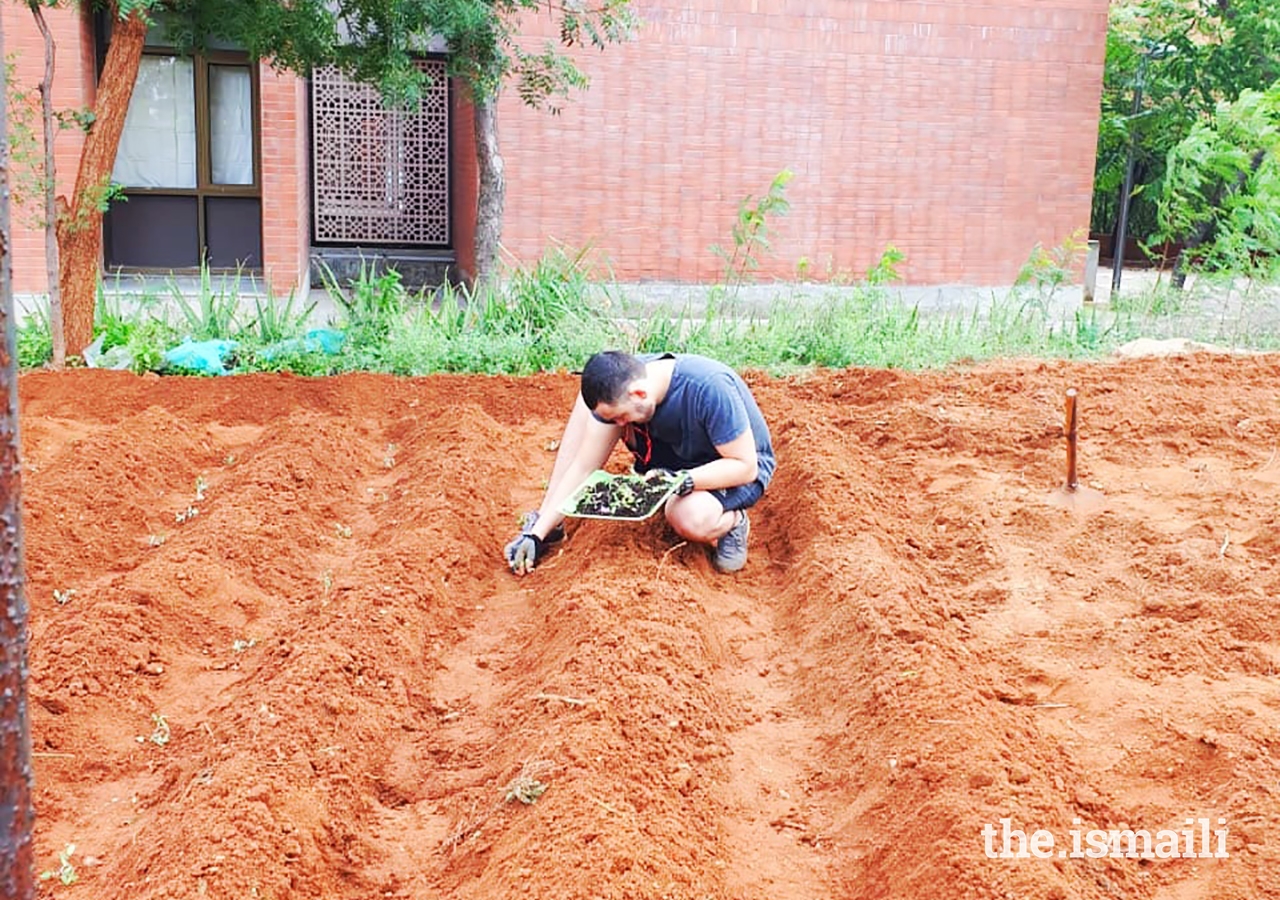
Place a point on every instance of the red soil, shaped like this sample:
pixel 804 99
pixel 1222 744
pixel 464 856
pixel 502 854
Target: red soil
pixel 921 643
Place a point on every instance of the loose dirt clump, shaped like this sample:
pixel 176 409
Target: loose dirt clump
pixel 275 651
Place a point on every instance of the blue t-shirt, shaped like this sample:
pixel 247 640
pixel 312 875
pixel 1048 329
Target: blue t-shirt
pixel 707 404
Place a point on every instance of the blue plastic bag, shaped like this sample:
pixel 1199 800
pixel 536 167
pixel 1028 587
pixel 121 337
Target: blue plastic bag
pixel 317 340
pixel 204 357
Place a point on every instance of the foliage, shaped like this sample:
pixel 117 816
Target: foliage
pixel 273 322
pixel 1048 269
pixel 374 302
pixel 1187 56
pixel 215 312
pixel 1222 186
pixel 751 230
pixel 66 872
pixel 34 338
pixel 378 41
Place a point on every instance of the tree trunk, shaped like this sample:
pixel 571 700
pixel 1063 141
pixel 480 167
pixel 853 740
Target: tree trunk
pixel 493 190
pixel 80 222
pixel 50 185
pixel 17 873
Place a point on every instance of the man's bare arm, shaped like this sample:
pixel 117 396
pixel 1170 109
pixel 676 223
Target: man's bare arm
pixel 737 465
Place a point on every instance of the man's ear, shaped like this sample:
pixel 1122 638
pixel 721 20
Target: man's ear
pixel 639 390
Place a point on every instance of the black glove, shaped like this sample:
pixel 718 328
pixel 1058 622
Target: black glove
pixel 524 552
pixel 685 479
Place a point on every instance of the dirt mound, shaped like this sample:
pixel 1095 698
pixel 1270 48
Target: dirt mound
pixel 275 653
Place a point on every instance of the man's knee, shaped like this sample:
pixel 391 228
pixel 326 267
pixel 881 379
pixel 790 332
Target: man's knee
pixel 695 517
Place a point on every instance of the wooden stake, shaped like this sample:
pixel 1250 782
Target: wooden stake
pixel 1069 428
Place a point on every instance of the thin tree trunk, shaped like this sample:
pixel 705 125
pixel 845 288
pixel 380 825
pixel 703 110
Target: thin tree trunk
pixel 50 185
pixel 80 222
pixel 493 189
pixel 17 873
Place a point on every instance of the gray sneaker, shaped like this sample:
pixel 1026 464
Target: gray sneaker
pixel 731 549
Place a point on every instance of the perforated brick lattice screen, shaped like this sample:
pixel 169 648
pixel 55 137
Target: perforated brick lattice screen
pixel 381 176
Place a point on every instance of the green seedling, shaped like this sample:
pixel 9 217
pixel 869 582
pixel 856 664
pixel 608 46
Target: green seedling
pixel 526 787
pixel 160 736
pixel 66 873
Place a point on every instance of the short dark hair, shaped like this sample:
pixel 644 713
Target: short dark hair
pixel 607 375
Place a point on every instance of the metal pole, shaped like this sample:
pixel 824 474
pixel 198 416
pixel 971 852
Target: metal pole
pixel 1122 227
pixel 1069 427
pixel 16 812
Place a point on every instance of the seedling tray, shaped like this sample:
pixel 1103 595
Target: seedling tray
pixel 598 497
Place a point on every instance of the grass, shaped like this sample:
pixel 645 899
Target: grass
pixel 553 314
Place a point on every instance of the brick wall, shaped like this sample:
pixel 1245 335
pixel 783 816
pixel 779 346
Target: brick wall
pixel 73 86
pixel 286 213
pixel 962 132
pixel 286 179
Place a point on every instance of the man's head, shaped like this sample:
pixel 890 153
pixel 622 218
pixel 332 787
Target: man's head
pixel 616 388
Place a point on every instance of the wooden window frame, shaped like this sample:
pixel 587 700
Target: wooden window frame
pixel 205 187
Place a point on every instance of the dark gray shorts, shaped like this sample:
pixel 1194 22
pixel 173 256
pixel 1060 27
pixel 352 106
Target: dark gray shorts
pixel 741 497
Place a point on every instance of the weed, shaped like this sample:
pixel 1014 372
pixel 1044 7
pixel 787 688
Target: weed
pixel 885 271
pixel 274 322
pixel 526 786
pixel 201 487
pixel 215 313
pixel 239 645
pixel 343 531
pixel 186 515
pixel 160 735
pixel 66 872
pixel 156 540
pixel 1046 270
pixel 371 307
pixel 34 338
pixel 62 598
pixel 750 230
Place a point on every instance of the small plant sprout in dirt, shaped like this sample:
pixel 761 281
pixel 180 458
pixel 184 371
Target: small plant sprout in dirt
pixel 343 531
pixel 186 515
pixel 527 786
pixel 160 735
pixel 389 460
pixel 201 487
pixel 240 645
pixel 62 598
pixel 156 540
pixel 66 873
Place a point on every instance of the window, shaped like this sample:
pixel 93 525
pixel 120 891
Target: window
pixel 189 163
